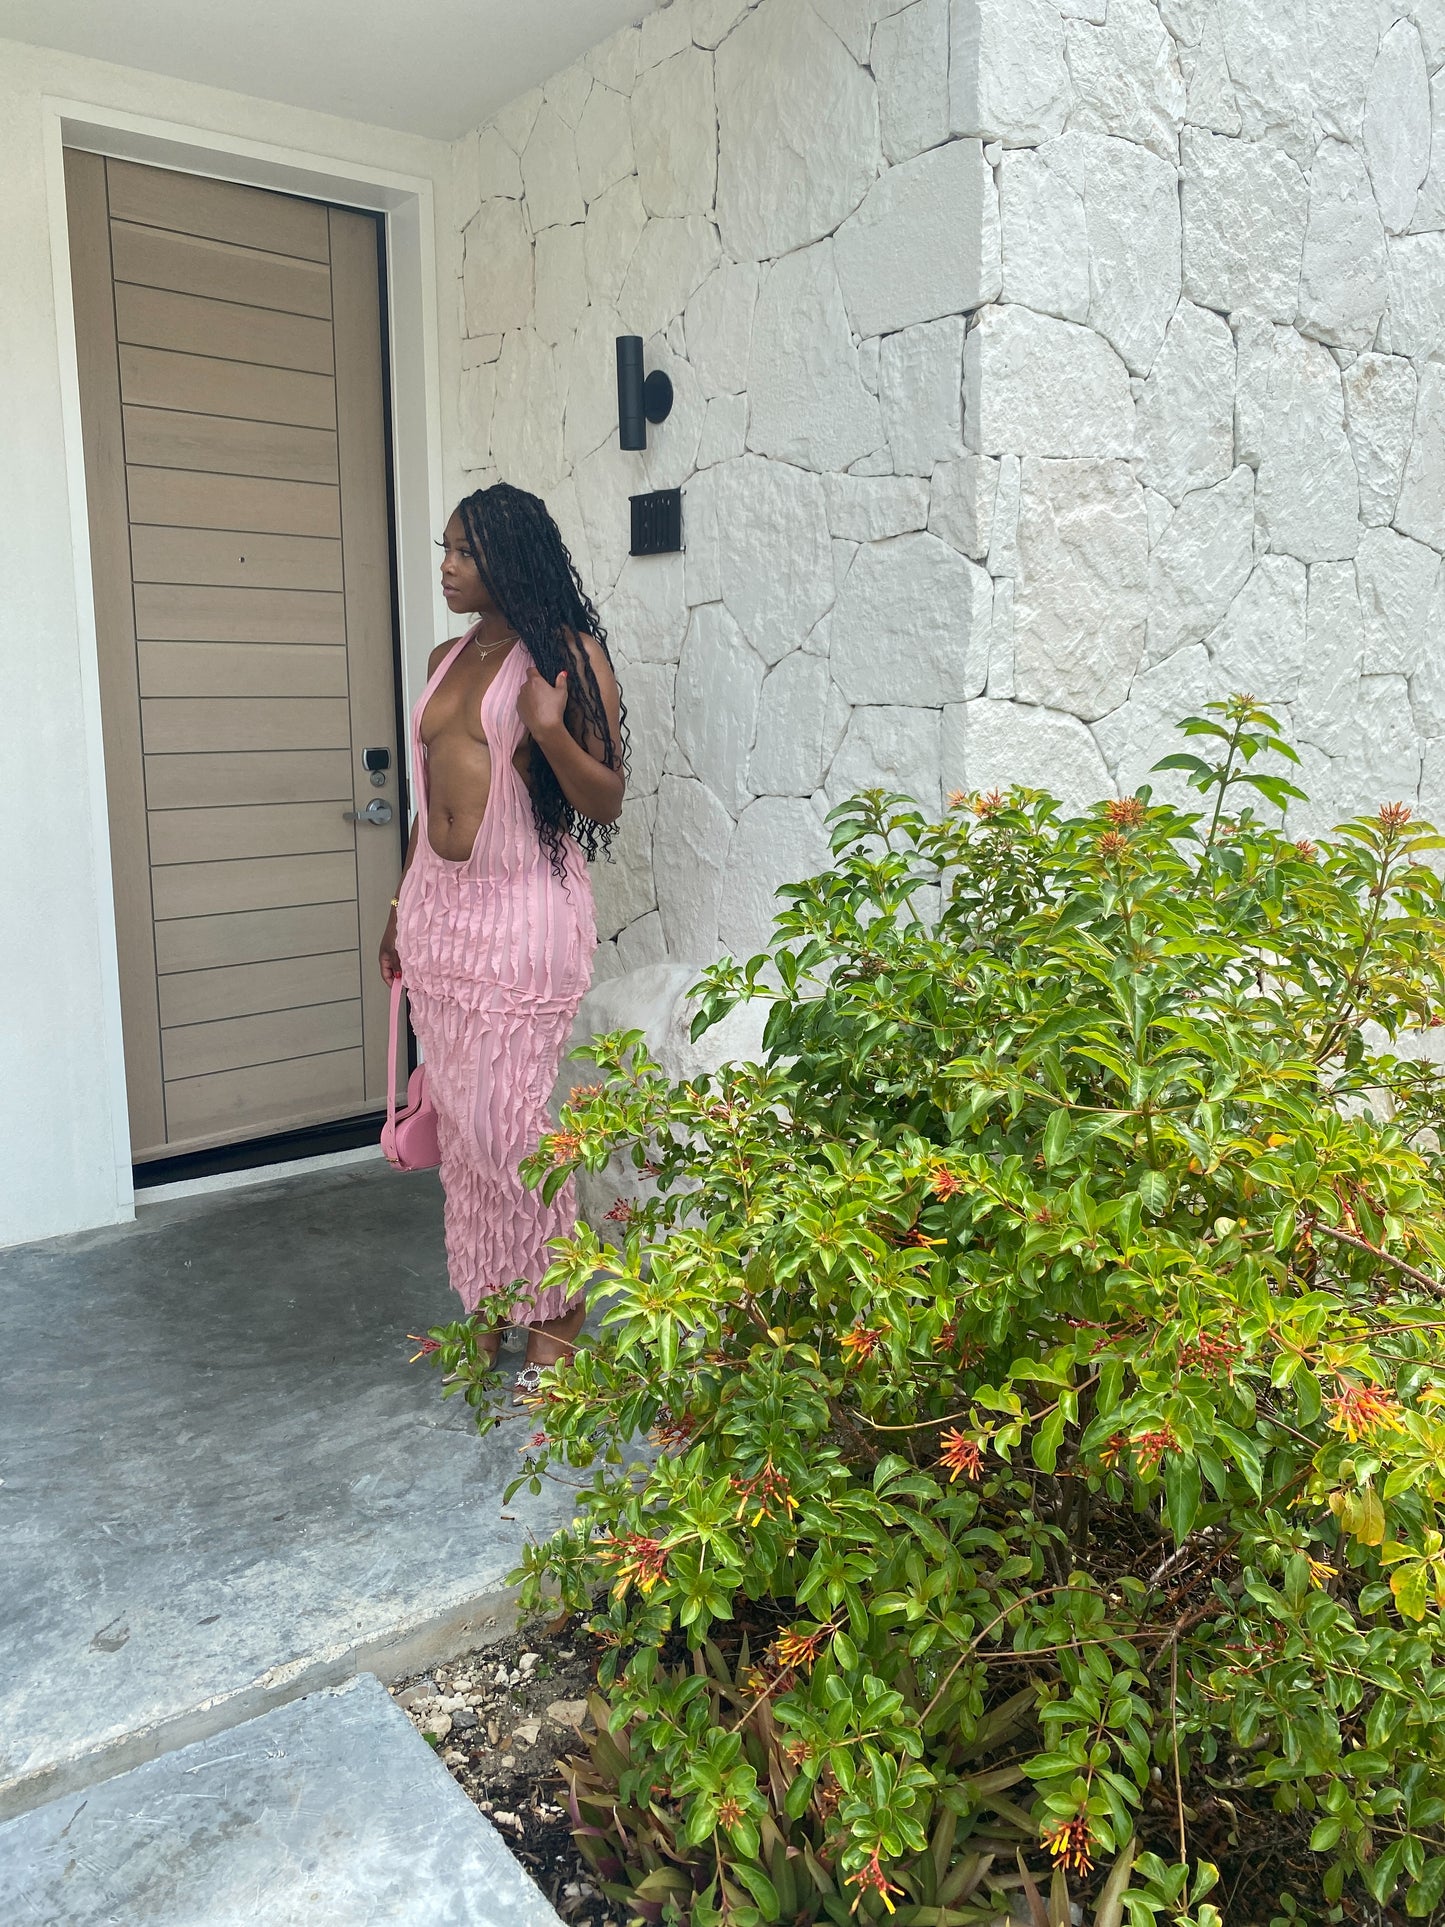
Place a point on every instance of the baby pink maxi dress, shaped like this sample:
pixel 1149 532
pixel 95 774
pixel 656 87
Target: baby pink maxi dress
pixel 496 953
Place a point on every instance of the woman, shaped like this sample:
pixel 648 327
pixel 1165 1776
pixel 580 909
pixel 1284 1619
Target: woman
pixel 519 761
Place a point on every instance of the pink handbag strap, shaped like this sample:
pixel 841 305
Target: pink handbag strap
pixel 398 991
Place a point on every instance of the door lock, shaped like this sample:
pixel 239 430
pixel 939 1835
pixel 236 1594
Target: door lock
pixel 378 810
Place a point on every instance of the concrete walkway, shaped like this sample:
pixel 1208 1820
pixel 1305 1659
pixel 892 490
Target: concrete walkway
pixel 332 1812
pixel 221 1483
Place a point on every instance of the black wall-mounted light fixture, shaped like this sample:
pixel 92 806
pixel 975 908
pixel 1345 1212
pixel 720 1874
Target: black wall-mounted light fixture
pixel 639 400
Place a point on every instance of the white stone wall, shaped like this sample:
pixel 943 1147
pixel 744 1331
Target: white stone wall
pixel 1044 369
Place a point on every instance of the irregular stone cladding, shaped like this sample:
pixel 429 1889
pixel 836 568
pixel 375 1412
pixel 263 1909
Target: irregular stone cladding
pixel 1044 368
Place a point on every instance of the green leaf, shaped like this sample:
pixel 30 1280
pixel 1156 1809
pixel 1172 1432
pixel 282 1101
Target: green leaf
pixel 1056 1138
pixel 1181 1494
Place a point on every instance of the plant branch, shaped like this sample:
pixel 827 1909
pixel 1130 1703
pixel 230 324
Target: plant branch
pixel 1421 1278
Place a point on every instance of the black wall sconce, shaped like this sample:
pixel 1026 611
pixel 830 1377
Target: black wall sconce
pixel 639 400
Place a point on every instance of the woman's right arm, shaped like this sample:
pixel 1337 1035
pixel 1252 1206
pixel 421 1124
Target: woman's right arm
pixel 387 957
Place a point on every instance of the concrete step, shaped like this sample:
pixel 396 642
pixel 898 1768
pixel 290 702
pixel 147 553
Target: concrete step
pixel 331 1811
pixel 224 1485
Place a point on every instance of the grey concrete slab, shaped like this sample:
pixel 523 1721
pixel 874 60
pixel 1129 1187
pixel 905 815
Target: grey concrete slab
pixel 221 1482
pixel 331 1811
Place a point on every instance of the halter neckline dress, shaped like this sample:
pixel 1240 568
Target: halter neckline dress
pixel 496 952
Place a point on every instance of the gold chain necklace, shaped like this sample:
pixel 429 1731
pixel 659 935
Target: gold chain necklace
pixel 489 649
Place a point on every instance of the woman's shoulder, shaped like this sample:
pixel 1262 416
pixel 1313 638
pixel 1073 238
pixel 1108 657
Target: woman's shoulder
pixel 439 655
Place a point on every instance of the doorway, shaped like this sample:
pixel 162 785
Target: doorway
pixel 233 404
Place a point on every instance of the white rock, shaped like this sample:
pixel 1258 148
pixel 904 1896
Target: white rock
pixel 1186 413
pixel 1397 124
pixel 1259 647
pixel 1397 580
pixel 920 387
pixel 778 840
pixel 924 243
pixel 604 479
pixel 890 749
pixel 852 21
pixel 647 689
pixel 497 270
pixel 1008 76
pixel 1429 17
pixel 1045 232
pixel 604 143
pixel 1127 79
pixel 701 549
pixel 690 855
pixel 1245 204
pixel 1266 51
pixel 719 679
pixel 561 283
pixel 1000 682
pixel 615 222
pixel 1379 763
pixel 640 944
pixel 1003 540
pixel 499 170
pixel 567 514
pixel 1095 10
pixel 798 130
pixel 911 625
pixel 664 33
pixel 1325 706
pixel 1342 280
pixel 479 348
pixel 961 502
pixel 1160 511
pixel 989 745
pixel 1427 685
pixel 1290 420
pixel 770 509
pixel 714 20
pixel 517 119
pixel 1414 321
pixel 788 751
pixel 1211 102
pixel 478 395
pixel 910 63
pixel 1429 215
pixel 549 172
pixel 674 134
pixel 1134 737
pixel 725 431
pixel 672 445
pixel 647 612
pixel 1200 564
pixel 866 509
pixel 614 62
pixel 1421 508
pixel 1018 364
pixel 1080 597
pixel 567 92
pixel 527 417
pixel 671 261
pixel 718 323
pixel 1344 38
pixel 591 397
pixel 807 402
pixel 1132 202
pixel 623 889
pixel 880 462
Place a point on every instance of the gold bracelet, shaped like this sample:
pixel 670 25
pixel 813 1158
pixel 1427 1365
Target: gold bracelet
pixel 395 902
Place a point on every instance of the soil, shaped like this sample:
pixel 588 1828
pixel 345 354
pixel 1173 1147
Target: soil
pixel 501 1718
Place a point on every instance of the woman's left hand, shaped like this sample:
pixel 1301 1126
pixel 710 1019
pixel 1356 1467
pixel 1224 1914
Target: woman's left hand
pixel 542 705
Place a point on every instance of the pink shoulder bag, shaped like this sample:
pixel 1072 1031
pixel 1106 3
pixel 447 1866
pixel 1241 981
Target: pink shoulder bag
pixel 409 1136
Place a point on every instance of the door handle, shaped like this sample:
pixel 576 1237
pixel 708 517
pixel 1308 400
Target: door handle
pixel 378 810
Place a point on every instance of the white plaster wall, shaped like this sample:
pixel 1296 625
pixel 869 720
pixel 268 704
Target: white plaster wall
pixel 1044 369
pixel 63 1162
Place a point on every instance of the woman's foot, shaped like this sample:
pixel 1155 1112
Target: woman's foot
pixel 547 1342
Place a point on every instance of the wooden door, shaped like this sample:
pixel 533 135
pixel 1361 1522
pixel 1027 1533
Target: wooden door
pixel 233 410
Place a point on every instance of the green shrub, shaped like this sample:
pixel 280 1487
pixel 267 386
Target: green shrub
pixel 1043 1351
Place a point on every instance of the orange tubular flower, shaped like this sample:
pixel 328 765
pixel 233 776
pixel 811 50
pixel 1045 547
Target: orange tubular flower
pixel 640 1560
pixel 861 1342
pixel 960 1454
pixel 1394 816
pixel 946 1183
pixel 1112 844
pixel 1125 812
pixel 427 1346
pixel 1070 1845
pixel 872 1880
pixel 1150 1447
pixel 1361 1410
pixel 793 1649
pixel 564 1145
pixel 989 805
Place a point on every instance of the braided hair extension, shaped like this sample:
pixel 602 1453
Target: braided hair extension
pixel 520 555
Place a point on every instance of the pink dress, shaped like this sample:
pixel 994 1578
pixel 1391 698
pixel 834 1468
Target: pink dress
pixel 496 952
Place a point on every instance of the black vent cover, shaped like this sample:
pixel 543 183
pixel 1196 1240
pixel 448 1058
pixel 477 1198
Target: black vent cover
pixel 657 522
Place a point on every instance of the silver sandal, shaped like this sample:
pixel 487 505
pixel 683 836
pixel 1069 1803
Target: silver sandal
pixel 528 1384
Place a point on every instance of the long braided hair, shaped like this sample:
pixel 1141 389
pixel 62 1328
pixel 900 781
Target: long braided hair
pixel 520 555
